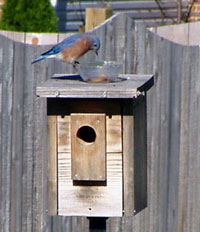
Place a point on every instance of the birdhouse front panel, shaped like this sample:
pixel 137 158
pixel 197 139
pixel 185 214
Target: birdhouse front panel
pixel 90 199
pixel 88 147
pixel 89 161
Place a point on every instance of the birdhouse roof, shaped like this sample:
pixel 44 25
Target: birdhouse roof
pixel 71 86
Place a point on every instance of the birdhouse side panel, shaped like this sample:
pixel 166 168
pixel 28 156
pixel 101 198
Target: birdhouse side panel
pixel 140 154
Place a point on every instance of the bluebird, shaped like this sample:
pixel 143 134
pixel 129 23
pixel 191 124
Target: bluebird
pixel 72 48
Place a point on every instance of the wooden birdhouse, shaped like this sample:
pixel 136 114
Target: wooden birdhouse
pixel 97 146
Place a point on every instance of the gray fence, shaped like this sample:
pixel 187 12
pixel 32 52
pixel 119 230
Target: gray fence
pixel 173 132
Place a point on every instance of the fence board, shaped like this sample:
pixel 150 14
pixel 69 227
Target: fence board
pixel 40 148
pixel 174 134
pixel 184 128
pixel 6 133
pixel 17 134
pixel 193 141
pixel 28 157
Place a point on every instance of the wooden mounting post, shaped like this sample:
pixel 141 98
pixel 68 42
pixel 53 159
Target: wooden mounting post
pixel 97 224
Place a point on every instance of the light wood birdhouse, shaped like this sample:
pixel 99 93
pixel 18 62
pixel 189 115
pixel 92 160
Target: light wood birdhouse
pixel 97 146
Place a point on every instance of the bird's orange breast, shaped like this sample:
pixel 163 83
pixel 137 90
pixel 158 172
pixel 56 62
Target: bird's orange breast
pixel 77 50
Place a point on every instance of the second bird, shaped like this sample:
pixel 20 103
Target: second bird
pixel 72 48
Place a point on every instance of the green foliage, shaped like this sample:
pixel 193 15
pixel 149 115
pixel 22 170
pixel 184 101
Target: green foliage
pixel 29 16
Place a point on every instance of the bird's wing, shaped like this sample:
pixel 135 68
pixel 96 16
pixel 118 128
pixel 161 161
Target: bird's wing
pixel 66 43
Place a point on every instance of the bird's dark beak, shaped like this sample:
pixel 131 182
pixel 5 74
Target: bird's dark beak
pixel 96 52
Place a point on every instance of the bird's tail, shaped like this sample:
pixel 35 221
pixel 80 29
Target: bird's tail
pixel 39 59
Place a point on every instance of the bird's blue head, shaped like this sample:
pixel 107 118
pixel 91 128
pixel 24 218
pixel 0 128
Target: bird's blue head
pixel 95 43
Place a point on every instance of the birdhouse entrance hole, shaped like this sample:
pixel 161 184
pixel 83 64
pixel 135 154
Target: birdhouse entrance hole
pixel 86 134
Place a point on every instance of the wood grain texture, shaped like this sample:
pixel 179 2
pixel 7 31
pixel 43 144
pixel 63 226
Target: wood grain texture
pixel 17 133
pixel 6 133
pixel 64 133
pixel 90 200
pixel 96 16
pixel 40 147
pixel 52 165
pixel 113 127
pixel 0 97
pixel 113 133
pixel 88 147
pixel 128 158
pixel 189 149
pixel 74 88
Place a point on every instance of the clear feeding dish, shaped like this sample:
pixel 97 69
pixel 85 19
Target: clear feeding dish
pixel 101 71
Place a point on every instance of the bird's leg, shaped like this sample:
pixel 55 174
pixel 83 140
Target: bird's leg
pixel 75 64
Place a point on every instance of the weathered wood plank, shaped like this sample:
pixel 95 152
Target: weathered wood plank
pixel 153 132
pixel 90 200
pixel 17 133
pixel 40 148
pixel 52 166
pixel 174 130
pixel 130 46
pixel 28 143
pixel 113 125
pixel 189 150
pixel 184 144
pixel 128 157
pixel 64 133
pixel 6 132
pixel 96 16
pixel 113 133
pixel 0 97
pixel 88 147
pixel 122 89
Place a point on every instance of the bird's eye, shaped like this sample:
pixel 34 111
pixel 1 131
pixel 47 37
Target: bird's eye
pixel 95 45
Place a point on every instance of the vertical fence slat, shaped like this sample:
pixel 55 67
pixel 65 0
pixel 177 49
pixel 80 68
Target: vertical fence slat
pixel 17 133
pixel 193 140
pixel 184 148
pixel 6 132
pixel 174 134
pixel 28 156
pixel 40 149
